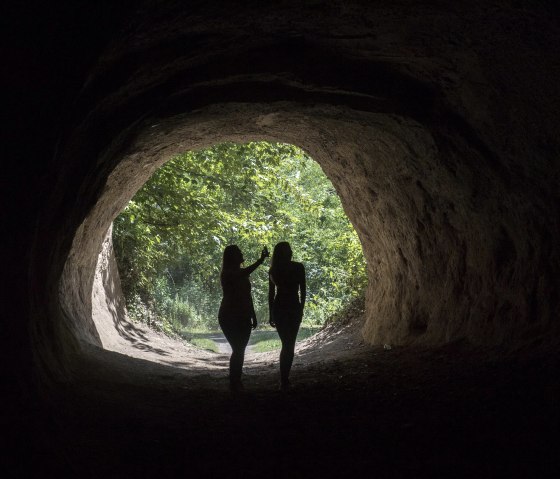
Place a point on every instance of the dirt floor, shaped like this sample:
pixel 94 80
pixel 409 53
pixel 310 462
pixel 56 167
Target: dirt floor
pixel 354 411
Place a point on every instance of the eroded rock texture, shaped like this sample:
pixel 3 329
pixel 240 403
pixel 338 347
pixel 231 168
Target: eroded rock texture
pixel 437 124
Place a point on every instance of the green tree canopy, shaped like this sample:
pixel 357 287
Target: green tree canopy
pixel 170 238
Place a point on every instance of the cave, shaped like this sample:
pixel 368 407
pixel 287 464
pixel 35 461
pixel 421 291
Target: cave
pixel 438 127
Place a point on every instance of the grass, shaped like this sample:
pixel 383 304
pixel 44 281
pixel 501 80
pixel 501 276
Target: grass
pixel 268 340
pixel 267 345
pixel 205 343
pixel 262 340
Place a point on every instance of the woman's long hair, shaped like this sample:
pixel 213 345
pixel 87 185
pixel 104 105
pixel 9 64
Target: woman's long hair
pixel 281 257
pixel 231 257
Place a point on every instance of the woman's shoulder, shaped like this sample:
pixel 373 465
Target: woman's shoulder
pixel 297 266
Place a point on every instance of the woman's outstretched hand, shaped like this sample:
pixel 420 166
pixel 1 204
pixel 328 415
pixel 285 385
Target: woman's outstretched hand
pixel 254 322
pixel 264 253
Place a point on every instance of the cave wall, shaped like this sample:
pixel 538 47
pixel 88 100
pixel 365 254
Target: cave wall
pixel 108 306
pixel 436 123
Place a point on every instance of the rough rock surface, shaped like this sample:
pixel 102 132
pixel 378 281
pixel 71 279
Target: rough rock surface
pixel 452 190
pixel 437 123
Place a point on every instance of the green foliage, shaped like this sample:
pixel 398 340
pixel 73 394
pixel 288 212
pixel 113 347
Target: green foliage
pixel 205 343
pixel 262 341
pixel 268 344
pixel 170 238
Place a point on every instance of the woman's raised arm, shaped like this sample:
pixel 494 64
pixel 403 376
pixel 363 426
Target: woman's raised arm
pixel 249 269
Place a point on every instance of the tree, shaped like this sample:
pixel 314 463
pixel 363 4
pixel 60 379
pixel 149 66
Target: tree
pixel 170 238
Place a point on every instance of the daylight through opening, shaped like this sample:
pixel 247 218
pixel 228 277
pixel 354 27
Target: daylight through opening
pixel 170 238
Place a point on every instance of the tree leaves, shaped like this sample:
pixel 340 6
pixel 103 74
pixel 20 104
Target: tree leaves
pixel 251 194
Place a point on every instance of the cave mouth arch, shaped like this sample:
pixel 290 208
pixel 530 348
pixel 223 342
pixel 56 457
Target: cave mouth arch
pixel 441 139
pixel 169 239
pixel 419 199
pixel 350 147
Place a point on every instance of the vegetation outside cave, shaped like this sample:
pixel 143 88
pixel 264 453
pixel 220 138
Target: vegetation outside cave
pixel 170 237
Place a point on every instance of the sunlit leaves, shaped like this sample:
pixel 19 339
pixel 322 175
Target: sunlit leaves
pixel 253 194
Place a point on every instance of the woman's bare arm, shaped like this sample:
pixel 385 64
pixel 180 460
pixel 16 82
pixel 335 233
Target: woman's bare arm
pixel 253 315
pixel 249 269
pixel 271 294
pixel 302 287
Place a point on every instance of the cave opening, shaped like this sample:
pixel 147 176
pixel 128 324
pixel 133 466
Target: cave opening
pixel 425 237
pixel 170 237
pixel 339 139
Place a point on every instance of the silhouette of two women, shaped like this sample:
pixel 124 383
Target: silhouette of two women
pixel 286 299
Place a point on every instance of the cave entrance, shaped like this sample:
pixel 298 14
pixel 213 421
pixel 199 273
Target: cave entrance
pixel 170 237
pixel 367 157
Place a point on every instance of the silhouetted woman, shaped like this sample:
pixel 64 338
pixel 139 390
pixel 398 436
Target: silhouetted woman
pixel 286 299
pixel 237 313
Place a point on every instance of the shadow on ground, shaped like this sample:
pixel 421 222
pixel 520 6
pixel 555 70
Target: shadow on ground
pixel 353 411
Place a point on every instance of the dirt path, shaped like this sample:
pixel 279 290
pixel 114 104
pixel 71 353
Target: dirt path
pixel 221 342
pixel 353 411
pixel 223 346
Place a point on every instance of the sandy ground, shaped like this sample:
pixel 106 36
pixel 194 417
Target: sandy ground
pixel 165 410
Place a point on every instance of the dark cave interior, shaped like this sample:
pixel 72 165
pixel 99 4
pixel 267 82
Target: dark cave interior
pixel 438 126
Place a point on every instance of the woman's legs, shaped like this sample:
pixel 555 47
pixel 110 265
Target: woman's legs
pixel 287 330
pixel 237 335
pixel 238 344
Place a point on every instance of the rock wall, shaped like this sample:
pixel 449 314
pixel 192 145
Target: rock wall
pixel 436 123
pixel 108 310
